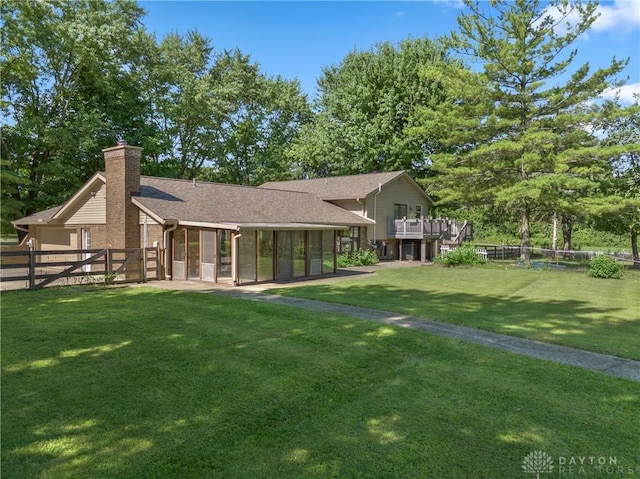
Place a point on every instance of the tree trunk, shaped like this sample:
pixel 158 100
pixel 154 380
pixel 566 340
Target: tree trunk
pixel 634 247
pixel 554 238
pixel 525 251
pixel 567 230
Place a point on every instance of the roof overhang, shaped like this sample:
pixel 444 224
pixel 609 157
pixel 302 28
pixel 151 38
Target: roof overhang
pixel 263 226
pixel 149 212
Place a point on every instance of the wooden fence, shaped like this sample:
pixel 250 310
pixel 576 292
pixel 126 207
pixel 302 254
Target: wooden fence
pixel 37 269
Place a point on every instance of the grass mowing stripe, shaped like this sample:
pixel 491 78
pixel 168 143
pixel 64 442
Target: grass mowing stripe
pixel 564 308
pixel 205 386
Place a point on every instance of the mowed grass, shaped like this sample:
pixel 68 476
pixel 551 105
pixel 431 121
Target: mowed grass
pixel 136 382
pixel 560 307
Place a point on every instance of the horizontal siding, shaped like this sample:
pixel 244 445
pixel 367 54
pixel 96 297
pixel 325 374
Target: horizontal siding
pixel 149 219
pixel 402 191
pixel 350 205
pixel 92 210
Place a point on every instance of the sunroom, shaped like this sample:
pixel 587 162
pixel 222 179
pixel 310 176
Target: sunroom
pixel 253 253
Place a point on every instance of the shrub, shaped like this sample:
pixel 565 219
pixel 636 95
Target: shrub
pixel 463 255
pixel 356 258
pixel 603 266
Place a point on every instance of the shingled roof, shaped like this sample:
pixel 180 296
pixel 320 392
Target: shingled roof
pixel 240 205
pixel 226 205
pixel 338 187
pixel 41 217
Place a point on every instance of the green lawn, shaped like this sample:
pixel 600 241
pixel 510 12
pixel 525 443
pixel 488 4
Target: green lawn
pixel 559 307
pixel 136 382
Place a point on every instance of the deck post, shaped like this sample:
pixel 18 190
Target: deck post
pixel 423 250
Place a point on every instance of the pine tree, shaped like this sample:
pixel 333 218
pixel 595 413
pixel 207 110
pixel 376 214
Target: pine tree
pixel 517 132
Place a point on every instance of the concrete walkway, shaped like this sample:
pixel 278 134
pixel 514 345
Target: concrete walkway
pixel 611 365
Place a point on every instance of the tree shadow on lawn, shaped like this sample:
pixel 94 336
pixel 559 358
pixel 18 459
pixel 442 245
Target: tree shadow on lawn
pixel 567 322
pixel 173 384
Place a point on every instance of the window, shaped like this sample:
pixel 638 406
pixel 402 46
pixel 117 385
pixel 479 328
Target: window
pixel 418 211
pixel 315 252
pixel 179 254
pixel 208 255
pixel 328 257
pixel 223 265
pixel 247 256
pixel 265 255
pixel 299 254
pixel 399 211
pixel 193 254
pixel 285 254
pixel 350 239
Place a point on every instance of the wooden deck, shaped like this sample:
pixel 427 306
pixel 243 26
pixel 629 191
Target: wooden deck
pixel 422 228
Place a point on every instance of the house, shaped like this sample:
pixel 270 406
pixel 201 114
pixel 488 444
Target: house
pixel 399 207
pixel 207 231
pixel 229 233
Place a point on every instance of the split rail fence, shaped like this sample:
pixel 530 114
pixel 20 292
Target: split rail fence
pixel 38 269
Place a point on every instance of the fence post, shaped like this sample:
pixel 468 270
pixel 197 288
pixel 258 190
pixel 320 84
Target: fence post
pixel 108 278
pixel 144 264
pixel 32 266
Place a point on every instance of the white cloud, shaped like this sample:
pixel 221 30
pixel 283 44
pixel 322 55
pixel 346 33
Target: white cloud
pixel 399 14
pixel 618 15
pixel 456 4
pixel 625 92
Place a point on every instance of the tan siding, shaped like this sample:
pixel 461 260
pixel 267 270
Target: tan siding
pixel 402 191
pixel 52 238
pixel 353 206
pixel 91 211
pixel 149 219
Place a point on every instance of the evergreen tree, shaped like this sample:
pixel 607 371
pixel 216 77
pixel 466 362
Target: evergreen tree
pixel 517 132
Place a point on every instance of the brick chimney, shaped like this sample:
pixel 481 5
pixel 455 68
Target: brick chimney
pixel 122 167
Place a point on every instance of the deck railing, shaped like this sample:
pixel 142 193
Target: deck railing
pixel 441 228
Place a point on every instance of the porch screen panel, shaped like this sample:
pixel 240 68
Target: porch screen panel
pixel 247 256
pixel 299 254
pixel 285 254
pixel 315 252
pixel 265 255
pixel 208 255
pixel 328 257
pixel 224 254
pixel 193 254
pixel 179 254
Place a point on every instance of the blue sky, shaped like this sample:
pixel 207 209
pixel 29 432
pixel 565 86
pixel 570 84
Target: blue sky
pixel 297 39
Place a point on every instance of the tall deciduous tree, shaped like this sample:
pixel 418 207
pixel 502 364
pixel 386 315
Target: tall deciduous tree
pixel 262 115
pixel 219 117
pixel 66 92
pixel 183 108
pixel 516 132
pixel 365 107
